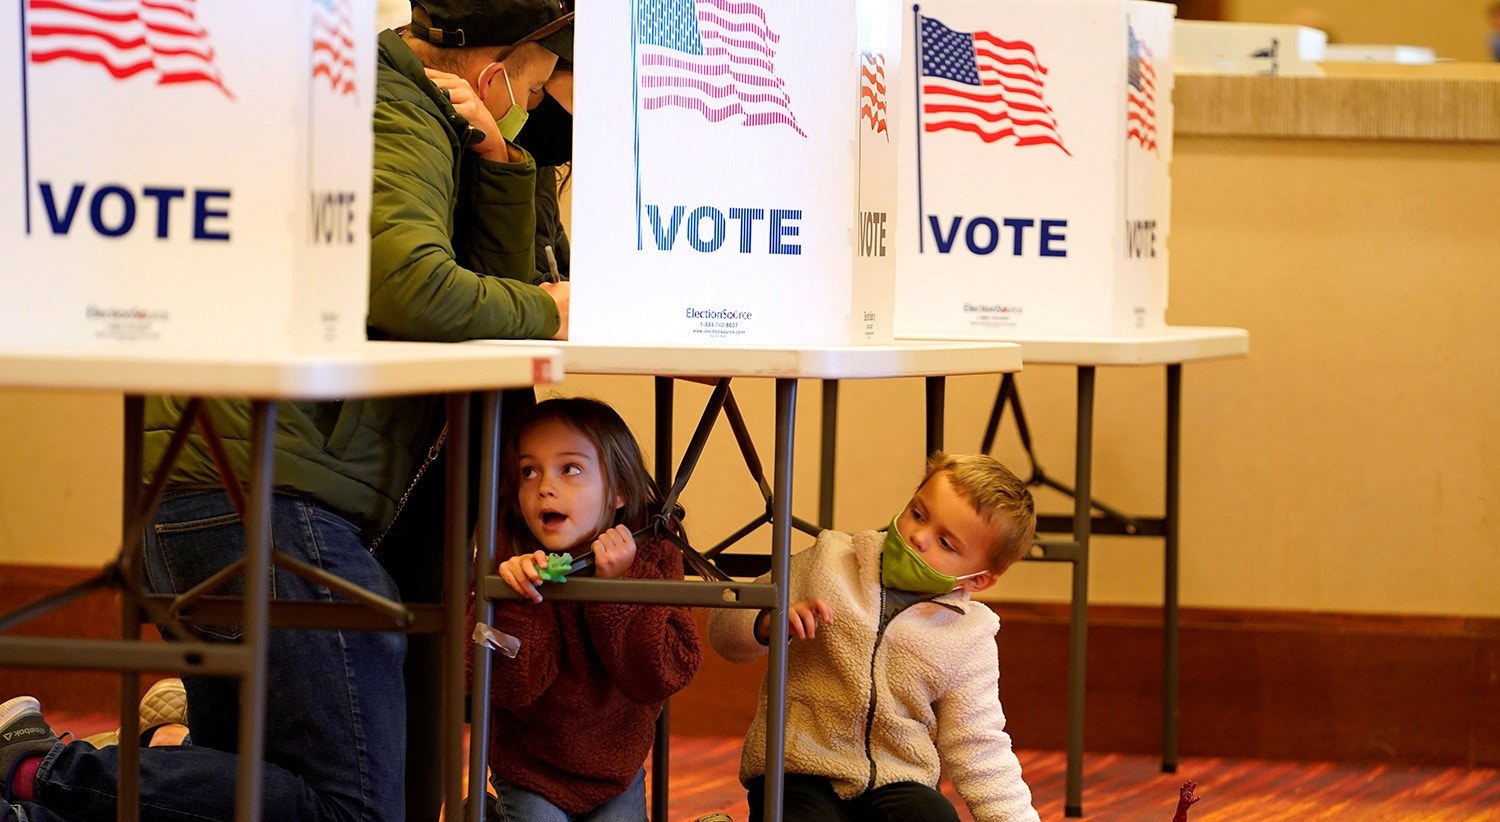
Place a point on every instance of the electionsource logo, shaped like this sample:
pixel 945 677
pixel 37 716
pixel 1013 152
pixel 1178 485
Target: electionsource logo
pixel 977 308
pixel 126 324
pixel 717 314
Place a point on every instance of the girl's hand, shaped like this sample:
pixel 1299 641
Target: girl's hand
pixel 520 573
pixel 467 103
pixel 614 551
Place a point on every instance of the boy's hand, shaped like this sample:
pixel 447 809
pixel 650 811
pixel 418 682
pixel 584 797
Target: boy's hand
pixel 520 573
pixel 802 618
pixel 614 551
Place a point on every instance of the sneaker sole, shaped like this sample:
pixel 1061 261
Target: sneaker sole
pixel 18 707
pixel 165 703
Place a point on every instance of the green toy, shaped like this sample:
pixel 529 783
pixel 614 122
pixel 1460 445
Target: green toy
pixel 557 568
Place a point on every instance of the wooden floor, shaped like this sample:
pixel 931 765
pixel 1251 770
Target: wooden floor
pixel 1133 788
pixel 1128 788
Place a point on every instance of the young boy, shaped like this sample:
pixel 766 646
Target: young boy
pixel 894 667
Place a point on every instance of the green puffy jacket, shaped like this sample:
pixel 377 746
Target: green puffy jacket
pixel 451 259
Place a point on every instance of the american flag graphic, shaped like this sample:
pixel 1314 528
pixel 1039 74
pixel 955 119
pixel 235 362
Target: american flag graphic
pixel 872 92
pixel 985 85
pixel 1140 108
pixel 154 38
pixel 333 44
pixel 715 57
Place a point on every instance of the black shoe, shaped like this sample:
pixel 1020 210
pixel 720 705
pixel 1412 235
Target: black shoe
pixel 23 733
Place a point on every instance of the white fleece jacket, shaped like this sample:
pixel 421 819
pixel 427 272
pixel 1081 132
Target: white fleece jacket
pixel 866 708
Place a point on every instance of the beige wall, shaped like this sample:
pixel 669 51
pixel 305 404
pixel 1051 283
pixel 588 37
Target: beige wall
pixel 1348 464
pixel 1455 29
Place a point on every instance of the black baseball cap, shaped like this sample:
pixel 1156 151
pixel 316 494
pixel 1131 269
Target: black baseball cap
pixel 497 23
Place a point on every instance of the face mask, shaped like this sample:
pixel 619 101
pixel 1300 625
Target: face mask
pixel 515 117
pixel 903 568
pixel 548 135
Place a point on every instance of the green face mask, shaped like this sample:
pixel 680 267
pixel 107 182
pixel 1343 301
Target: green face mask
pixel 514 118
pixel 903 568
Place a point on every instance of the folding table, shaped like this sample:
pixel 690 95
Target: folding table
pixel 368 370
pixel 786 365
pixel 1172 347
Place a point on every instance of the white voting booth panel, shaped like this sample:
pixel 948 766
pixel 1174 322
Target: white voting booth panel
pixel 181 174
pixel 1274 50
pixel 735 172
pixel 1034 173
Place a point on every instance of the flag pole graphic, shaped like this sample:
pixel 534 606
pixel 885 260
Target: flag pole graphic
pixel 916 34
pixel 25 129
pixel 635 111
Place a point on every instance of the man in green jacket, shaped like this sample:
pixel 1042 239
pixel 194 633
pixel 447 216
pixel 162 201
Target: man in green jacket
pixel 451 258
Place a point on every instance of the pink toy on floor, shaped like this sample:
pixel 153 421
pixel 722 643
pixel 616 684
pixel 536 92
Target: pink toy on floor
pixel 1186 800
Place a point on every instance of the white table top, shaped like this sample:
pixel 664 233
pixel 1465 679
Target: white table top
pixel 369 369
pixel 905 358
pixel 1174 344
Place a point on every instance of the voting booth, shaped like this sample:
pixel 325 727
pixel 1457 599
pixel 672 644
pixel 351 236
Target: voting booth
pixel 185 175
pixel 1034 184
pixel 735 172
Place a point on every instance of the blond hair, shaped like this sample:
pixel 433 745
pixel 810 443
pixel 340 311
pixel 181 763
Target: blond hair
pixel 998 495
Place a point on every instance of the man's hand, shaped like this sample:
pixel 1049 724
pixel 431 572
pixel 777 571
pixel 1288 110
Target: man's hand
pixel 560 294
pixel 467 103
pixel 614 551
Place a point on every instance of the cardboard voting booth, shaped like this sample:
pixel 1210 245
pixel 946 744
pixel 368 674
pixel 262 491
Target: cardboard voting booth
pixel 1034 186
pixel 735 172
pixel 185 174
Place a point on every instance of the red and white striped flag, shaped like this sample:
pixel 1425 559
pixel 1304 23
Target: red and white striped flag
pixel 986 85
pixel 872 92
pixel 154 38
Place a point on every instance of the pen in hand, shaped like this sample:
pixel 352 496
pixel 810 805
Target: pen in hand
pixel 552 264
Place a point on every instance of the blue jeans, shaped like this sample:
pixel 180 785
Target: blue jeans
pixel 335 738
pixel 515 804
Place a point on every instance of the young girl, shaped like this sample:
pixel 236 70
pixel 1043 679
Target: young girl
pixel 573 714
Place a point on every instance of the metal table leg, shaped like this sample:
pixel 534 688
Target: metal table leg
pixel 829 453
pixel 484 608
pixel 1078 629
pixel 781 551
pixel 661 751
pixel 257 575
pixel 455 598
pixel 937 392
pixel 128 803
pixel 1170 661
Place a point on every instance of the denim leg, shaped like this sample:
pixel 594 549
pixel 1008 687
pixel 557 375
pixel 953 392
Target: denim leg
pixel 77 782
pixel 629 806
pixel 515 804
pixel 336 698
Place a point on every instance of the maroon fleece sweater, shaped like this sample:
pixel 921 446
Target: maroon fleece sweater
pixel 573 714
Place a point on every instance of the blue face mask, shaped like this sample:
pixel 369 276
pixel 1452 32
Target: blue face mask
pixel 902 568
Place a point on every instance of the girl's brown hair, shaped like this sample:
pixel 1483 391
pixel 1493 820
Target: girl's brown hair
pixel 620 462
